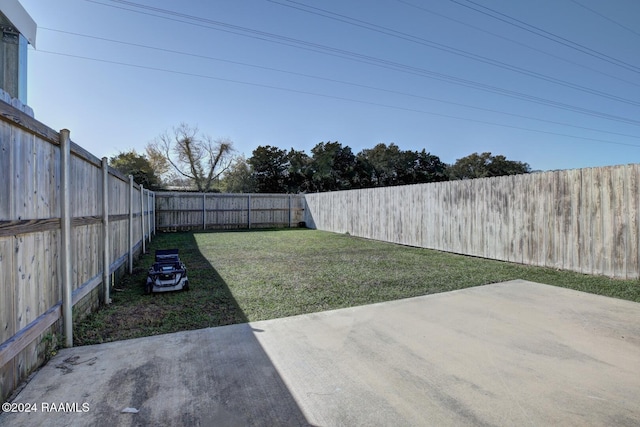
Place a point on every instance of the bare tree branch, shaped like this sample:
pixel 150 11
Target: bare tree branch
pixel 193 155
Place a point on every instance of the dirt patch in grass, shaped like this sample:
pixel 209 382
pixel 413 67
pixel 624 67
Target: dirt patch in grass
pixel 133 313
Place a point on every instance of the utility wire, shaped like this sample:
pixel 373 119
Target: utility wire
pixel 546 34
pixel 445 48
pixel 605 17
pixel 304 92
pixel 413 95
pixel 510 40
pixel 292 42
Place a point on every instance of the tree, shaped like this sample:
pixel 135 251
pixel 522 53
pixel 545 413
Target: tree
pixel 159 164
pixel 138 165
pixel 385 165
pixel 299 174
pixel 194 156
pixel 269 165
pixel 429 168
pixel 333 167
pixel 485 165
pixel 381 164
pixel 238 178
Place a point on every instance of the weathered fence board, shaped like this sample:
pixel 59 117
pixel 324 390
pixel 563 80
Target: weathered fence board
pixel 198 211
pixel 7 318
pixel 585 220
pixel 633 194
pixel 30 237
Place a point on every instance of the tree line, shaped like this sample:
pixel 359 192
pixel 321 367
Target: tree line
pixel 189 160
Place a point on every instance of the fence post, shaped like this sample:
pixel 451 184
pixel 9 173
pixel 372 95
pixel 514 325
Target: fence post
pixel 204 211
pixel 290 212
pixel 130 224
pixel 249 211
pixel 65 213
pixel 105 230
pixel 154 212
pixel 149 214
pixel 144 248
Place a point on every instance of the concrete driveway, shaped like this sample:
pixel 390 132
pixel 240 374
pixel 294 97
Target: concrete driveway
pixel 513 353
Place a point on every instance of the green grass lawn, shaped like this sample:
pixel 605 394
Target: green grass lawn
pixel 247 276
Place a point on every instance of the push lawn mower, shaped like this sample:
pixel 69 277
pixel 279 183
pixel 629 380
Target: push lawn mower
pixel 167 273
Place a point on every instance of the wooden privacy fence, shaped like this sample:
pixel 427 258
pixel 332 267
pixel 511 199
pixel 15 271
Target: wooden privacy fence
pixel 193 211
pixel 585 220
pixel 64 216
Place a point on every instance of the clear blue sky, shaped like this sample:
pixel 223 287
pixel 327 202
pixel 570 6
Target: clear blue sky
pixel 411 72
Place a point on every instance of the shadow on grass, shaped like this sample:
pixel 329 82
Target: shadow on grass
pixel 236 373
pixel 132 314
pixel 208 303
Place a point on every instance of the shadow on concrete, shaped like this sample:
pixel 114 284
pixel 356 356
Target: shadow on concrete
pixel 237 377
pixel 211 376
pixel 241 378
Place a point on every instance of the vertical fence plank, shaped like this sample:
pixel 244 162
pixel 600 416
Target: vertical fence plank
pixel 597 223
pixel 153 220
pixel 472 235
pixel 633 250
pixel 424 219
pixel 514 215
pixel 508 219
pixel 525 215
pixel 479 188
pixel 492 218
pixel 130 253
pixel 249 211
pixel 8 326
pixel 548 195
pixel 6 171
pixel 477 227
pixel 533 229
pixel 608 218
pixel 620 210
pixel 144 249
pixel 455 217
pixel 467 214
pixel 573 240
pixel 586 223
pixel 436 225
pixel 8 269
pixel 149 210
pixel 559 220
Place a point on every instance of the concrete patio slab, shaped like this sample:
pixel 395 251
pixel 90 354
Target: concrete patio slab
pixel 513 353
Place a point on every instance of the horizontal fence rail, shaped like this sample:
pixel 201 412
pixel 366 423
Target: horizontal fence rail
pixel 203 211
pixel 57 260
pixel 584 220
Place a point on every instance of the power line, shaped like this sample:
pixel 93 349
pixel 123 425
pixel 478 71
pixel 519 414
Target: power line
pixel 354 56
pixel 304 92
pixel 413 95
pixel 445 48
pixel 546 34
pixel 605 17
pixel 510 40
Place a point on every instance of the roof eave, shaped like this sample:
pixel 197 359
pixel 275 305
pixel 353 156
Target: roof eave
pixel 22 21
